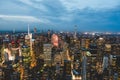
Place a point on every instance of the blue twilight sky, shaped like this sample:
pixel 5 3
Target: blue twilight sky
pixel 88 15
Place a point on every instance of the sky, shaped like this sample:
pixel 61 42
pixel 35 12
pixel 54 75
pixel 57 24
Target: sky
pixel 87 15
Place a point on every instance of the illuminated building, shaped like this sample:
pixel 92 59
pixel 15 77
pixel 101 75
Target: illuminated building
pixel 47 53
pixel 49 36
pixel 108 48
pixel 67 67
pixel 54 40
pixel 84 64
pixel 83 43
pixel 58 59
pixel 28 37
pixel 87 43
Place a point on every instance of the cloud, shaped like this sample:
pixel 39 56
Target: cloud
pixel 93 4
pixel 35 4
pixel 24 19
pixel 61 14
pixel 12 8
pixel 19 18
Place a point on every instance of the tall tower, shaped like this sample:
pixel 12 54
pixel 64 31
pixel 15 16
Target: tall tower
pixel 75 29
pixel 75 33
pixel 28 30
pixel 35 30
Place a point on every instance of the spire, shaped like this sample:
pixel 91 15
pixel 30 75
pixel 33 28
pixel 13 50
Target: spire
pixel 75 29
pixel 28 30
pixel 75 34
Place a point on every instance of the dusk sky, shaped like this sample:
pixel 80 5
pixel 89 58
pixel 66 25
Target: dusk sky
pixel 88 15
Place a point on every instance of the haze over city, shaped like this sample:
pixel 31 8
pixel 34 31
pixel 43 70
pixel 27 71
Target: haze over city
pixel 88 15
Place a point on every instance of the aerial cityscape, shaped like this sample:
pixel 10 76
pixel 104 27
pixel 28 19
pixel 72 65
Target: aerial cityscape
pixel 59 40
pixel 51 55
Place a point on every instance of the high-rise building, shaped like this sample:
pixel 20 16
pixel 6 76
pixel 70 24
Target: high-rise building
pixel 108 47
pixel 67 67
pixel 87 43
pixel 57 58
pixel 54 40
pixel 35 30
pixel 47 53
pixel 82 42
pixel 28 38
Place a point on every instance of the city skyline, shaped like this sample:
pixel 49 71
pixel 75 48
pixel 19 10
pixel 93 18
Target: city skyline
pixel 90 15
